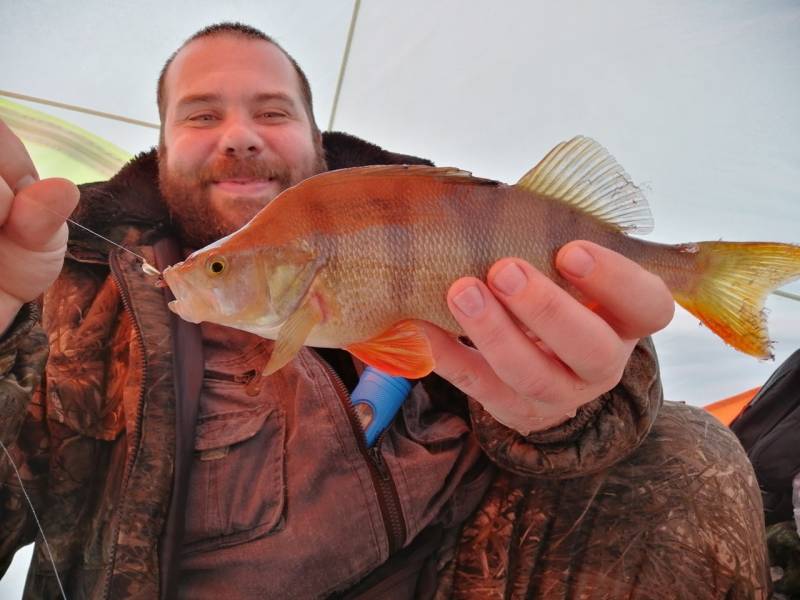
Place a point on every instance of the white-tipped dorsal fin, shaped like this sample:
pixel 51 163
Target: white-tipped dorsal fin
pixel 583 173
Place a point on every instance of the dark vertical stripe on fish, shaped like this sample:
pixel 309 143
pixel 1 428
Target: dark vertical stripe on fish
pixel 399 240
pixel 320 212
pixel 478 226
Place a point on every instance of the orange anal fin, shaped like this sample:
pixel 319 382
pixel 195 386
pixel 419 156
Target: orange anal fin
pixel 402 351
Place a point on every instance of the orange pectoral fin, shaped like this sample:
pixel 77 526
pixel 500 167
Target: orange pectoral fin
pixel 402 351
pixel 291 337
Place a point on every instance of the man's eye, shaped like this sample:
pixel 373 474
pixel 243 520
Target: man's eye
pixel 273 115
pixel 203 117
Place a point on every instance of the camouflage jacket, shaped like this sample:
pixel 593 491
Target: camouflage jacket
pixel 613 503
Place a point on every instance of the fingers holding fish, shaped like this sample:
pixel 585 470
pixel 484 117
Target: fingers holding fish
pixel 521 383
pixel 634 301
pixel 566 329
pixel 468 370
pixel 461 365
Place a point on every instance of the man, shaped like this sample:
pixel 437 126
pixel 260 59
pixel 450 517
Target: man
pixel 534 473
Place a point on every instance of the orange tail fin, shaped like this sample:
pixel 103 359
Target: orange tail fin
pixel 728 295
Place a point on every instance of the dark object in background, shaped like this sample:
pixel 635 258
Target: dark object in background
pixel 784 559
pixel 769 429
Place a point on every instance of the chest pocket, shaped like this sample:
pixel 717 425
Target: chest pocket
pixel 236 485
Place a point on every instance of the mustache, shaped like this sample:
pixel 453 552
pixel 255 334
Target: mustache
pixel 237 168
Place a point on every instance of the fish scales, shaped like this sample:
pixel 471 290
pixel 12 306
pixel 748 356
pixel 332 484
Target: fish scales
pixel 402 268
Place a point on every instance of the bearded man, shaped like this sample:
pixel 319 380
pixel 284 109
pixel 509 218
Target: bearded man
pixel 519 469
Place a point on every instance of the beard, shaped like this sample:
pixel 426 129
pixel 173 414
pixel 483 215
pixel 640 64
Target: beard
pixel 188 195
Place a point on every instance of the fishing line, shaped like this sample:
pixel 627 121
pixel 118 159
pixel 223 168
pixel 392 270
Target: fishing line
pixel 146 266
pixel 36 517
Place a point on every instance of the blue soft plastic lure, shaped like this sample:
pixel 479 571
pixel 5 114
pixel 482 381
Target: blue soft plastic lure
pixel 376 400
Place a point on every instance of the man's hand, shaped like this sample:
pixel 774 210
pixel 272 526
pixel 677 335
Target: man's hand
pixel 539 353
pixel 33 239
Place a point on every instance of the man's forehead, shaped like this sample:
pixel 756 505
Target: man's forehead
pixel 227 53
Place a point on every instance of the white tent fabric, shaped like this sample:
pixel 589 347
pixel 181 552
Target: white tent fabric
pixel 699 101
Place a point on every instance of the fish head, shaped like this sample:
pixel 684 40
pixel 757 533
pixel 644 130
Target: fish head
pixel 218 286
pixel 254 289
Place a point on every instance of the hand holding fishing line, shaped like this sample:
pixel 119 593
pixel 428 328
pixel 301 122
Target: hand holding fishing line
pixel 572 355
pixel 32 241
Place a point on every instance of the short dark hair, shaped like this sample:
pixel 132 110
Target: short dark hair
pixel 246 31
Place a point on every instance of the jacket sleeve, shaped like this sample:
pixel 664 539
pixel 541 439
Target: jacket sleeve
pixel 602 432
pixel 23 353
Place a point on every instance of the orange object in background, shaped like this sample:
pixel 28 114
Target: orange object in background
pixel 728 409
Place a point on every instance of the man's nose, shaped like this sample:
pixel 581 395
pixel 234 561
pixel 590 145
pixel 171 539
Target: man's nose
pixel 240 140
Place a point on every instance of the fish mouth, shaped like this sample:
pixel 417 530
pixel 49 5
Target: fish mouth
pixel 180 309
pixel 170 279
pixel 182 291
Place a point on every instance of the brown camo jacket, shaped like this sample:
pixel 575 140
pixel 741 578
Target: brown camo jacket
pixel 613 504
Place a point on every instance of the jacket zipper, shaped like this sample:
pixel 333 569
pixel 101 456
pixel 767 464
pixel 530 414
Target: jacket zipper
pixel 125 297
pixel 388 498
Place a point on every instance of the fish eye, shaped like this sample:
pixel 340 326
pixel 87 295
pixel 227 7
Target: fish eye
pixel 216 265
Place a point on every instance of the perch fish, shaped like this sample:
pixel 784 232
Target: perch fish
pixel 353 258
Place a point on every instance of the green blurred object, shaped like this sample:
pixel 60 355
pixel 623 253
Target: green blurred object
pixel 61 149
pixel 784 558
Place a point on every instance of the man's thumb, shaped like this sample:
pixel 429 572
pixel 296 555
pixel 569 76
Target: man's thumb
pixel 38 214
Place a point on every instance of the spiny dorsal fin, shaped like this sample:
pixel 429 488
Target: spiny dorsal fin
pixel 582 173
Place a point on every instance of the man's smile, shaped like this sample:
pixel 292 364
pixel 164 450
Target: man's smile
pixel 245 186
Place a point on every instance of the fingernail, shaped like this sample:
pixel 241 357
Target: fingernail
pixel 510 279
pixel 576 262
pixel 24 182
pixel 469 301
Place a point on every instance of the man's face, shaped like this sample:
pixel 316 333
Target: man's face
pixel 236 134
